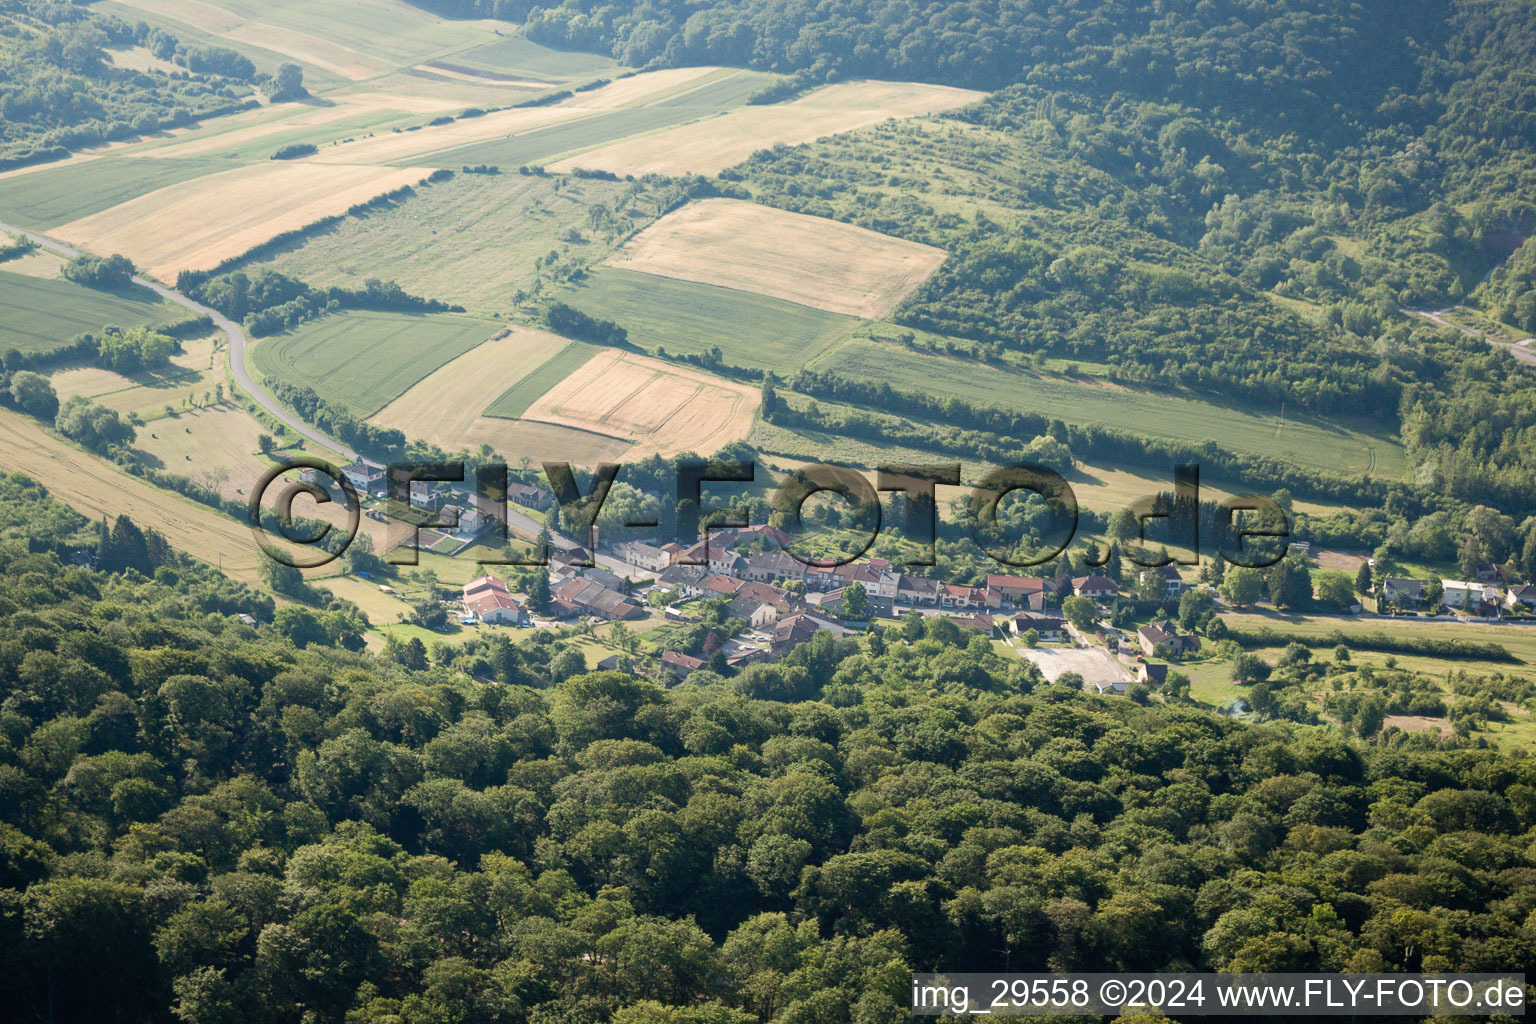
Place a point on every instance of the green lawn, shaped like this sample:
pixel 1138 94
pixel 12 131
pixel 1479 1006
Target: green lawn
pixel 365 360
pixel 683 317
pixel 1520 641
pixel 38 315
pixel 516 400
pixel 1307 441
pixel 47 198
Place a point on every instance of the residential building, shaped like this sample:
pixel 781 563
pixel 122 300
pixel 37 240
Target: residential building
pixel 680 665
pixel 918 591
pixel 643 556
pixel 488 600
pixel 1167 635
pixel 1471 596
pixel 1046 627
pixel 1522 597
pixel 1015 592
pixel 365 475
pixel 789 633
pixel 1173 583
pixel 1403 593
pixel 536 498
pixel 593 598
pixel 686 579
pixel 1098 588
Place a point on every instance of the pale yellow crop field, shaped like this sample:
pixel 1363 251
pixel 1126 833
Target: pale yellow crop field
pixel 642 89
pixel 227 134
pixel 207 17
pixel 308 49
pixel 514 440
pixel 444 406
pixel 634 91
pixel 188 376
pixel 96 488
pixel 662 408
pixel 712 145
pixel 814 261
pixel 195 225
pixel 408 145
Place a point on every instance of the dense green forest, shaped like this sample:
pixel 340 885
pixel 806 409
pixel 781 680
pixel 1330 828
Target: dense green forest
pixel 261 825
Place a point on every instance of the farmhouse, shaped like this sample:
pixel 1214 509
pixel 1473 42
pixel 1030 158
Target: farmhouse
pixel 1167 635
pixel 689 579
pixel 592 597
pixel 1099 588
pixel 536 498
pixel 1015 592
pixel 365 475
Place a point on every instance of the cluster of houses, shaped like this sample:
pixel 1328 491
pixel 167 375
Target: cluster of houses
pixel 1489 596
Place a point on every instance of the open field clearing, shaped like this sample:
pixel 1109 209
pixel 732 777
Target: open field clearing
pixel 198 224
pixel 393 147
pixel 490 79
pixel 366 360
pixel 628 107
pixel 514 439
pixel 343 39
pixel 1308 442
pixel 39 263
pixel 663 409
pixel 681 316
pixel 76 189
pixel 255 136
pixel 445 403
pixel 816 262
pixel 381 608
pixel 138 58
pixel 518 56
pixel 96 488
pixel 1519 640
pixel 709 147
pixel 516 400
pixel 40 314
pixel 218 448
pixel 474 240
pixel 188 376
pixel 640 102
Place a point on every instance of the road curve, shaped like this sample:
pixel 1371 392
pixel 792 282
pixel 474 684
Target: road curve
pixel 237 343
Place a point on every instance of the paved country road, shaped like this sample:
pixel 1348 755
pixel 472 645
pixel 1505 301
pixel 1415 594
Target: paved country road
pixel 237 342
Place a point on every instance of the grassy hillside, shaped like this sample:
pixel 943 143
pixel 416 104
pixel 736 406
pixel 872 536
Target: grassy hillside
pixel 1306 440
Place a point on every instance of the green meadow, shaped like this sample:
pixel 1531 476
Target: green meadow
pixel 686 318
pixel 37 315
pixel 365 360
pixel 516 400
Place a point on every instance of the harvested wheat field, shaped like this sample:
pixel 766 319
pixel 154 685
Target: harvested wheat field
pixel 339 60
pixel 642 89
pixel 664 409
pixel 39 263
pixel 443 406
pixel 712 145
pixel 218 448
pixel 514 440
pixel 207 17
pixel 95 488
pixel 196 225
pixel 816 262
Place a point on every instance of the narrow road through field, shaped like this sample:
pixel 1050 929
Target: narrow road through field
pixel 237 342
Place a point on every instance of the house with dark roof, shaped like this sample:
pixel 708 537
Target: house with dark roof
pixel 1167 634
pixel 1098 588
pixel 1173 583
pixel 1046 627
pixel 1404 593
pixel 595 599
pixel 680 665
